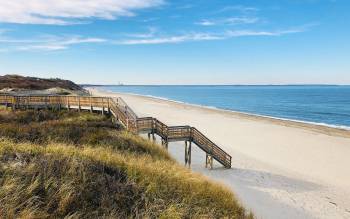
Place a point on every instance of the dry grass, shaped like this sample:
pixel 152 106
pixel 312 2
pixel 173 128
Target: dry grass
pixel 43 127
pixel 111 174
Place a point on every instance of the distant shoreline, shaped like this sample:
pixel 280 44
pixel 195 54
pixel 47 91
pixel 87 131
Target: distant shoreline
pixel 213 85
pixel 332 130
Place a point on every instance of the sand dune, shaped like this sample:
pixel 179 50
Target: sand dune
pixel 280 169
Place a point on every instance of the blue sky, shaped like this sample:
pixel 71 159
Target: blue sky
pixel 178 42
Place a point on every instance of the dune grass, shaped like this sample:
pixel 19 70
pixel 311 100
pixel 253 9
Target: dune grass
pixel 60 164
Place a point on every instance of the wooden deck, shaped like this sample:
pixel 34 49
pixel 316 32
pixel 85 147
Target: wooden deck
pixel 122 112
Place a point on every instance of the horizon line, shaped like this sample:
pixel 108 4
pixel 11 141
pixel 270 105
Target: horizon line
pixel 121 85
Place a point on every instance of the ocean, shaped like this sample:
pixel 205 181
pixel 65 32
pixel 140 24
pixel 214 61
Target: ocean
pixel 324 105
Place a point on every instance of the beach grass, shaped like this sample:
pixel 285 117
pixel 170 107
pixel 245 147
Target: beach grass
pixel 65 164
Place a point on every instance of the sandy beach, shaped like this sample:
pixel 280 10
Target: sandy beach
pixel 280 169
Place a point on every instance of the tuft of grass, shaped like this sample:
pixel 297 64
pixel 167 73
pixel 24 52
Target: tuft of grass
pixel 80 166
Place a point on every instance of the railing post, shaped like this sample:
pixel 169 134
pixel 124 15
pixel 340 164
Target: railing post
pixel 27 103
pixel 153 126
pixel 103 106
pixel 79 107
pixel 91 109
pixel 68 107
pixel 6 102
pixel 14 103
pixel 59 103
pixel 46 103
pixel 109 107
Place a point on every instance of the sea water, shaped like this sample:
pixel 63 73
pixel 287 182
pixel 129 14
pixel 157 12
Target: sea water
pixel 325 105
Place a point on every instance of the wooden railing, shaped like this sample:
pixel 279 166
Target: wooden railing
pixel 122 112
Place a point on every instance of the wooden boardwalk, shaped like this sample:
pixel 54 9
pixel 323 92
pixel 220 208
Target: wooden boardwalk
pixel 122 112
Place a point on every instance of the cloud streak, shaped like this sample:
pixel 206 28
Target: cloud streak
pixel 228 21
pixel 241 8
pixel 191 37
pixel 170 39
pixel 60 44
pixel 47 43
pixel 65 12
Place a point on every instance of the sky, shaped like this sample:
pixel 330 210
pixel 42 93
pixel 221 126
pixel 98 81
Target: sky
pixel 177 42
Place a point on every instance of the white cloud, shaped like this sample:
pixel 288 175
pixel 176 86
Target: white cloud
pixel 206 23
pixel 47 43
pixel 63 12
pixel 207 36
pixel 171 39
pixel 240 8
pixel 228 21
pixel 240 33
pixel 151 32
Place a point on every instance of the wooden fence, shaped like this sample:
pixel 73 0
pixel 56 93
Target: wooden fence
pixel 122 112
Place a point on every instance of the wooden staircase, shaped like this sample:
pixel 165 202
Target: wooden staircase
pixel 123 113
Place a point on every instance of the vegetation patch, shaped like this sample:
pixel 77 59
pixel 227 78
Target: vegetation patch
pixel 97 171
pixel 33 83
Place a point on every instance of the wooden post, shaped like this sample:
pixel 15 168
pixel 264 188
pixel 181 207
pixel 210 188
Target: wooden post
pixel 188 146
pixel 189 153
pixel 206 160
pixel 103 106
pixel 46 103
pixel 27 103
pixel 209 161
pixel 165 143
pixel 186 155
pixel 149 136
pixel 6 103
pixel 14 103
pixel 109 107
pixel 91 109
pixel 79 107
pixel 153 137
pixel 68 107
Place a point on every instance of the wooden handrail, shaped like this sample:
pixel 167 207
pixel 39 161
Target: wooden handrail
pixel 121 111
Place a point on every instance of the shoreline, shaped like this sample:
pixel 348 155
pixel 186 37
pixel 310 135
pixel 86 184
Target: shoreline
pixel 328 129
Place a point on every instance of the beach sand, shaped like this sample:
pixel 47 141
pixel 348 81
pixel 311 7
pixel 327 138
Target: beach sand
pixel 280 169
